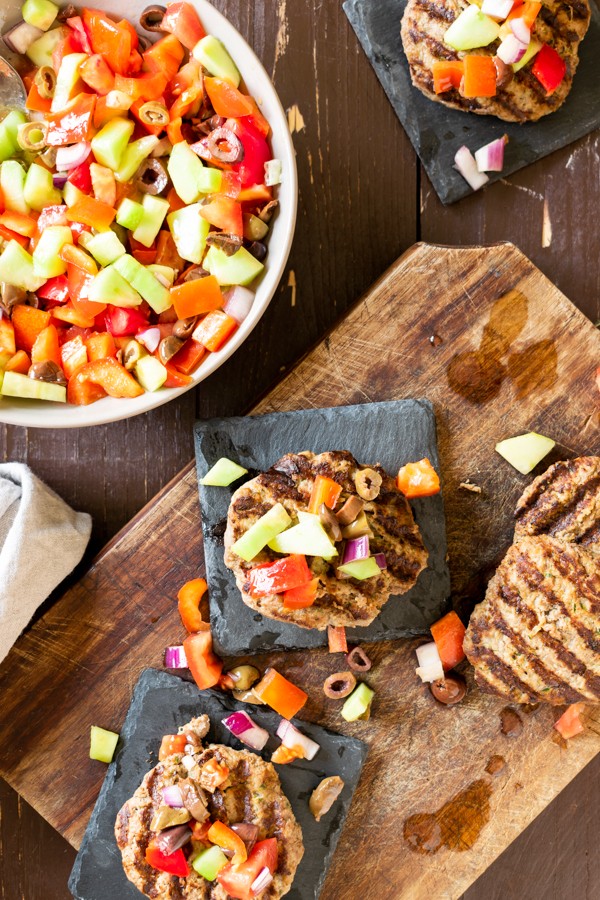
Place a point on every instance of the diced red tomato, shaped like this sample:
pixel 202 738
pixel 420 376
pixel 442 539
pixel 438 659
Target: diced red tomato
pixel 56 289
pixel 570 722
pixel 418 479
pixel 277 577
pixel 181 19
pixel 449 634
pixel 256 152
pixel 112 40
pixel 122 321
pixel 97 74
pixel 170 744
pixel 81 178
pixel 237 880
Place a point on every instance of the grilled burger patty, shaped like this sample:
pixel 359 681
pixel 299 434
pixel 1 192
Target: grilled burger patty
pixel 523 99
pixel 536 635
pixel 339 602
pixel 564 502
pixel 251 794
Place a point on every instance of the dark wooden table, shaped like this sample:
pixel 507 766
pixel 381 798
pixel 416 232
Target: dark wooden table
pixel 363 200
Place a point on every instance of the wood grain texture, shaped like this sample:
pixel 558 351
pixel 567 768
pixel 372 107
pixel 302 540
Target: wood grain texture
pixel 421 755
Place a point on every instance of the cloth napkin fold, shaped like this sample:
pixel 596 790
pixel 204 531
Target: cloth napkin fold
pixel 41 541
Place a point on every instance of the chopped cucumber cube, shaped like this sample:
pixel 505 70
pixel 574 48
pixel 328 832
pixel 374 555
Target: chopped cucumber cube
pixel 241 268
pixel 185 169
pixel 109 286
pixel 209 180
pixel 103 744
pixel 40 52
pixel 16 385
pixel 12 186
pixel 108 146
pixel 358 704
pixel 8 133
pixel 155 210
pixel 39 13
pixel 16 267
pixel 189 232
pixel 72 194
pixel 150 373
pixel 308 537
pixel 223 473
pixel 46 261
pixel 4 359
pixel 105 247
pixel 361 568
pixel 264 530
pixel 532 50
pixel 134 155
pixel 214 57
pixel 130 214
pixel 39 190
pixel 471 29
pixel 525 451
pixel 138 276
pixel 208 863
pixel 164 274
pixel 67 79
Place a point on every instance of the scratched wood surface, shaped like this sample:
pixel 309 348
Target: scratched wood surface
pixel 363 200
pixel 422 756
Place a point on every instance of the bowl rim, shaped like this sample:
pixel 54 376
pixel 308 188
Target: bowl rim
pixel 40 414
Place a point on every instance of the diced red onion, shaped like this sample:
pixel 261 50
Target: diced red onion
pixel 490 157
pixel 511 50
pixel 292 739
pixel 246 730
pixel 430 665
pixel 356 548
pixel 150 338
pixel 273 169
pixel 238 302
pixel 381 560
pixel 21 36
pixel 59 179
pixel 175 658
pixel 497 9
pixel 172 796
pixel 262 881
pixel 68 158
pixel 464 161
pixel 521 30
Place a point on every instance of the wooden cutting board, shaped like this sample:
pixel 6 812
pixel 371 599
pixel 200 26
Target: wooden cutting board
pixel 498 350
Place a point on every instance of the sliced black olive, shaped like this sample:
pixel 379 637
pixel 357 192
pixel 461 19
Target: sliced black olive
pixel 449 690
pixel 350 511
pixel 183 328
pixel 228 243
pixel 225 146
pixel 151 177
pixel 168 347
pixel 330 522
pixel 67 12
pixel 258 250
pixel 358 660
pixel 192 274
pixel 151 18
pixel 340 685
pixel 47 371
pixel 266 213
pixel 11 296
pixel 171 839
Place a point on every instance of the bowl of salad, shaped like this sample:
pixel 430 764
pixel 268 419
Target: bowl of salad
pixel 148 198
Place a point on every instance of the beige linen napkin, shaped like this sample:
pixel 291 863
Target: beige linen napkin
pixel 41 541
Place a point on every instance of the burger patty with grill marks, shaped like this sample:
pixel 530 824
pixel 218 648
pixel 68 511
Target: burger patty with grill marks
pixel 252 794
pixel 339 601
pixel 560 24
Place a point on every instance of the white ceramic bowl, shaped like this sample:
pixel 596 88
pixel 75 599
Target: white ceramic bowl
pixel 36 414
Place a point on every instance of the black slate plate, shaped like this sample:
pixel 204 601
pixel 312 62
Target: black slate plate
pixel 437 132
pixel 391 433
pixel 160 704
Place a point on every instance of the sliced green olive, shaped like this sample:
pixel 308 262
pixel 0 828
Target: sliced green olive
pixel 154 113
pixel 244 677
pixel 32 136
pixel 45 82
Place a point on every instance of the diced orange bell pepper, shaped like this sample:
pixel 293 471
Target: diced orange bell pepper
pixel 256 193
pixel 189 357
pixel 104 113
pixel 280 694
pixel 82 393
pixel 111 376
pixel 188 101
pixel 9 235
pixel 480 76
pixel 284 755
pixel 570 723
pixel 449 634
pixel 301 597
pixel 148 86
pixel 28 322
pixel 20 363
pixel 192 298
pixel 418 479
pixel 92 212
pixel 46 346
pixel 527 11
pixel 227 101
pixel 213 774
pixel 204 665
pixel 447 74
pixel 100 346
pixel 215 329
pixel 73 255
pixel 112 40
pixel 145 257
pixel 73 123
pixel 188 602
pixel 223 836
pixel 73 356
pixel 174 132
pixel 324 490
pixel 174 201
pixel 97 74
pixel 224 213
pixel 73 316
pixel 16 221
pixel 165 56
pixel 171 744
pixel 336 638
pixel 35 102
pixel 7 337
pixel 79 284
pixel 175 378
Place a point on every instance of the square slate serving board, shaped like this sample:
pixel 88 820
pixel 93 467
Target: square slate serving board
pixel 390 433
pixel 436 132
pixel 160 704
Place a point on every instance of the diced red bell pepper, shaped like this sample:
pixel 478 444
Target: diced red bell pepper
pixel 224 213
pixel 113 40
pixel 324 490
pixel 170 744
pixel 301 597
pixel 188 603
pixel 73 123
pixel 121 321
pixel 69 44
pixel 110 375
pixel 204 665
pixel 418 479
pixel 449 634
pixel 7 336
pixel 226 100
pixel 549 68
pixel 336 638
pixel 447 74
pixel 81 178
pixel 165 56
pixel 570 723
pixel 189 357
pixel 181 19
pixel 175 378
pixel 256 152
pixel 280 694
pixel 97 74
pixel 257 120
pixel 173 863
pixel 222 835
pixel 279 576
pixel 231 185
pixel 237 880
pixel 215 329
pixel 28 322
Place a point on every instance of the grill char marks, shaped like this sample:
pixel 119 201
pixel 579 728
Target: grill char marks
pixel 564 502
pixel 534 637
pixel 560 24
